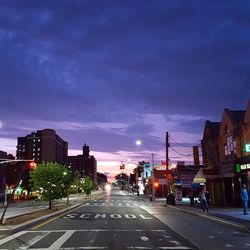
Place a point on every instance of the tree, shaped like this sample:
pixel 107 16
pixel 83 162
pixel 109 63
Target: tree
pixel 76 185
pixel 87 186
pixel 101 180
pixel 51 180
pixel 122 180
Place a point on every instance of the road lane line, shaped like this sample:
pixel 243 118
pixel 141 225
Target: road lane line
pixel 60 241
pixel 11 237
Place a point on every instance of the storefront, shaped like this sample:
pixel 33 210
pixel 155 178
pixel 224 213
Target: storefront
pixel 242 171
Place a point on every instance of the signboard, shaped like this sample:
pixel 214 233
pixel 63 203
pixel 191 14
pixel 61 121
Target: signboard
pixel 247 147
pixel 242 167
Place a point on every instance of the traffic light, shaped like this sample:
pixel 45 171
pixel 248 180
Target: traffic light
pixel 156 183
pixel 31 165
pixel 122 166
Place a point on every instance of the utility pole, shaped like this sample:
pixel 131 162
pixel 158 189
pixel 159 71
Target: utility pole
pixel 167 170
pixel 153 178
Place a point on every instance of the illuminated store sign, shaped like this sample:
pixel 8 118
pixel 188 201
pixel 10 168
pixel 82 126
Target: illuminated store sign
pixel 247 147
pixel 245 166
pixel 241 167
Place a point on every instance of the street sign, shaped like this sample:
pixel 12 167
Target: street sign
pixel 247 147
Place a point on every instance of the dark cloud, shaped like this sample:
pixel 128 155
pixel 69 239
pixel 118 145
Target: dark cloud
pixel 118 61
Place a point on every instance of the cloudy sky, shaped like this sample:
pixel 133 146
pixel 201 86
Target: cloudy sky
pixel 108 72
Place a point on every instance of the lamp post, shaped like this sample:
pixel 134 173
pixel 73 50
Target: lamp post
pixel 139 142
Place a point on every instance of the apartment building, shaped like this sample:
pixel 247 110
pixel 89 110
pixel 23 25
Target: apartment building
pixel 42 145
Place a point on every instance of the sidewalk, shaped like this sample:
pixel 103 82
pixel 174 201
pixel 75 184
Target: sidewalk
pixel 26 207
pixel 230 216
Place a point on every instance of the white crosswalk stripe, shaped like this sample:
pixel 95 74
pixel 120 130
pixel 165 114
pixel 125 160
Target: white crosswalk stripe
pixel 117 203
pixel 64 235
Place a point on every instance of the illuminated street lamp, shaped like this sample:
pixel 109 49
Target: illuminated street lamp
pixel 139 142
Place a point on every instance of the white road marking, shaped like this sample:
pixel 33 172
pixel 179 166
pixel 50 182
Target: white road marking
pixel 177 243
pixel 115 216
pixel 12 237
pixel 211 236
pixel 35 240
pixel 179 247
pixel 87 230
pixel 111 216
pixel 130 216
pixel 145 218
pixel 60 241
pixel 68 233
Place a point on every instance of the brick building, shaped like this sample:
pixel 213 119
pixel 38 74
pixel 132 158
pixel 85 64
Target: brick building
pixel 224 156
pixel 43 145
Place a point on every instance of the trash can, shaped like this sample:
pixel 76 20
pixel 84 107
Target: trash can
pixel 170 199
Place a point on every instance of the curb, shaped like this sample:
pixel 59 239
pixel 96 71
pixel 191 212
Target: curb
pixel 224 222
pixel 10 229
pixel 15 228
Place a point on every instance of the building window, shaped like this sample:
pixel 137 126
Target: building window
pixel 230 146
pixel 226 130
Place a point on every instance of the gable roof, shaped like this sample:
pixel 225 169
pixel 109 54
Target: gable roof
pixel 237 116
pixel 213 128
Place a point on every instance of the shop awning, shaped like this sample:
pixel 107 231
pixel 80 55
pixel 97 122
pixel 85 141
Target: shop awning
pixel 200 177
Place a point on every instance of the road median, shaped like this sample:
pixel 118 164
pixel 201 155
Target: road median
pixel 31 218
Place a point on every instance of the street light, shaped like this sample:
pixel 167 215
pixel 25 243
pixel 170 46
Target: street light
pixel 138 143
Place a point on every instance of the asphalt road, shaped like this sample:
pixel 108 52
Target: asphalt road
pixel 123 221
pixel 115 221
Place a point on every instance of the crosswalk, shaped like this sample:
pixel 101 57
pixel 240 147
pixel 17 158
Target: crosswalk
pixel 91 239
pixel 119 203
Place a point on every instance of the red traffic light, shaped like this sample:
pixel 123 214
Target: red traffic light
pixel 156 183
pixel 32 165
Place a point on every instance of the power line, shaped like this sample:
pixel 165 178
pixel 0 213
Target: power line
pixel 181 145
pixel 180 153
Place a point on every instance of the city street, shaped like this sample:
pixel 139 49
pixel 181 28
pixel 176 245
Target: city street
pixel 119 220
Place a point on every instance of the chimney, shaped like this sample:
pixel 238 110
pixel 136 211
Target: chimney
pixel 196 155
